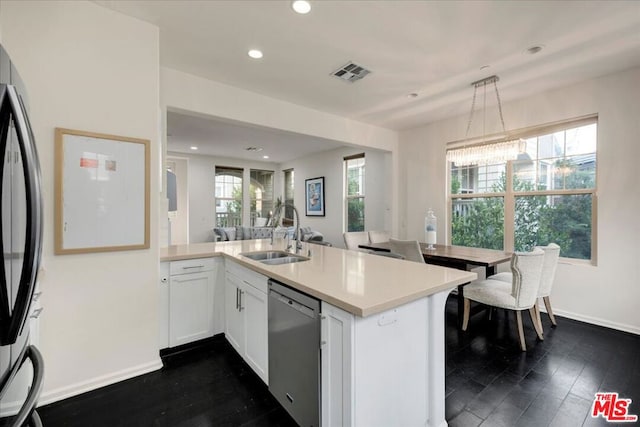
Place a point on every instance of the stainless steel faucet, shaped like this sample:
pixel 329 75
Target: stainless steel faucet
pixel 297 224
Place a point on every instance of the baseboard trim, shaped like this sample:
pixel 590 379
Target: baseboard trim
pixel 595 321
pixel 61 393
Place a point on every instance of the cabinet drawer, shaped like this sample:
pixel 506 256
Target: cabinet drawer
pixel 191 266
pixel 257 280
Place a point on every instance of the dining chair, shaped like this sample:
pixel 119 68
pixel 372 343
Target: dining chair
pixel 352 239
pixel 520 294
pixel 379 236
pixel 551 256
pixel 387 254
pixel 410 249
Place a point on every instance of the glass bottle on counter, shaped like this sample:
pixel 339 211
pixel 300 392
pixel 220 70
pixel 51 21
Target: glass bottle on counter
pixel 430 227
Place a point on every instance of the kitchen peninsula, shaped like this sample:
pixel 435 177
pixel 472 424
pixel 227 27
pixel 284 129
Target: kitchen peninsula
pixel 382 330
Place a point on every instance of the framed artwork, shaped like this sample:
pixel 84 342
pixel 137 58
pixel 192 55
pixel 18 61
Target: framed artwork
pixel 101 192
pixel 314 196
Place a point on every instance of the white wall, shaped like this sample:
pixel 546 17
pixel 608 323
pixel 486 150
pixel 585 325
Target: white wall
pixel 330 164
pixel 605 294
pixel 184 92
pixel 88 68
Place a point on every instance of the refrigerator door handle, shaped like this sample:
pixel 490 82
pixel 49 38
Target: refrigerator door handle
pixel 5 298
pixel 11 103
pixel 27 412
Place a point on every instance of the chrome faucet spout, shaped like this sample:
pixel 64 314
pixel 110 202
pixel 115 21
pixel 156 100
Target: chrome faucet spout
pixel 296 223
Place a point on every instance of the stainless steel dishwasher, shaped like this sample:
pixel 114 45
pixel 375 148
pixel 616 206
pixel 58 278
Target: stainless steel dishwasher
pixel 294 352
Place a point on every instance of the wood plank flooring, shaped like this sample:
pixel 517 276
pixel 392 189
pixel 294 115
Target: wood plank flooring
pixel 489 382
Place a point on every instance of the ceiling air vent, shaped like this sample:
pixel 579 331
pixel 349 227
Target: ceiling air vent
pixel 351 72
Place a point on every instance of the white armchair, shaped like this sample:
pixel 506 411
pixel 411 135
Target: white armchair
pixel 519 295
pixel 410 249
pixel 379 236
pixel 352 239
pixel 551 255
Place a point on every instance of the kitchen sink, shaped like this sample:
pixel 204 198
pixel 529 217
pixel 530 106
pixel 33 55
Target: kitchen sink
pixel 274 257
pixel 284 260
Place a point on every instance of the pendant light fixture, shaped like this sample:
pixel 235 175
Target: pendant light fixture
pixel 496 151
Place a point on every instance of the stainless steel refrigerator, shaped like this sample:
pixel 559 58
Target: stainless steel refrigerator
pixel 21 240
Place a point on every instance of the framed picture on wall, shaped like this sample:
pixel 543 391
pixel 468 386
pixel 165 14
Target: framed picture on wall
pixel 314 196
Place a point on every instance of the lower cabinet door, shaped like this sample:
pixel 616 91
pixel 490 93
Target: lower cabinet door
pixel 191 307
pixel 256 353
pixel 234 318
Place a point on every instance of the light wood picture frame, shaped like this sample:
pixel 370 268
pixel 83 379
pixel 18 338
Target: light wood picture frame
pixel 102 199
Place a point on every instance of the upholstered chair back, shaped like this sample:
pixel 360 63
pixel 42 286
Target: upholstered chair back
pixel 353 239
pixel 551 255
pixel 526 269
pixel 379 236
pixel 410 249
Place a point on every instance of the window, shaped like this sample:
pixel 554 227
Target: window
pixel 261 195
pixel 228 197
pixel 354 192
pixel 288 196
pixel 546 195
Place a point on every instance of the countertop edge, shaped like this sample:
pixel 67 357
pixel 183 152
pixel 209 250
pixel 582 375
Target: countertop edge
pixel 355 310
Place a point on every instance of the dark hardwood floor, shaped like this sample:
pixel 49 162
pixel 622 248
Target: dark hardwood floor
pixel 489 381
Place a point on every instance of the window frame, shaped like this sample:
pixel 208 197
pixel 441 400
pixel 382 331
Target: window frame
pixel 509 196
pixel 218 201
pixel 253 214
pixel 348 197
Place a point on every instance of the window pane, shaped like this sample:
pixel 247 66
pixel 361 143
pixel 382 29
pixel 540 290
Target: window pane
pixel 575 172
pixel 354 193
pixel 288 194
pixel 228 212
pixel 478 179
pixel 478 222
pixel 565 220
pixel 581 140
pixel 355 177
pixel 228 197
pixel 551 145
pixel 261 195
pixel 524 175
pixel 355 214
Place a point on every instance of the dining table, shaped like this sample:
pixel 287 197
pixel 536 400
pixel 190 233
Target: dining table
pixel 459 257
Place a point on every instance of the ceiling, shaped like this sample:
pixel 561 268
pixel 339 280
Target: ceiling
pixel 224 138
pixel 432 48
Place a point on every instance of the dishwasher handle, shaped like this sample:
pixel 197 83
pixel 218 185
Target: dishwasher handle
pixel 293 304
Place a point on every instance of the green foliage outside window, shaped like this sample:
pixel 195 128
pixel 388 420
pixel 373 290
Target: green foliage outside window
pixel 539 220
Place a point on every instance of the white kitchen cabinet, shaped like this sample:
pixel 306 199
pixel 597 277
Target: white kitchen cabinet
pixel 163 314
pixel 366 360
pixel 234 318
pixel 336 343
pixel 190 300
pixel 246 316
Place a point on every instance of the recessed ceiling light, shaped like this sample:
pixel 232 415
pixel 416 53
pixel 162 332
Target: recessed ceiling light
pixel 412 95
pixel 193 147
pixel 265 157
pixel 301 6
pixel 255 54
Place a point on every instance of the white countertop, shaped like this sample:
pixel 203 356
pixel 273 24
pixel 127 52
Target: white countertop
pixel 360 283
